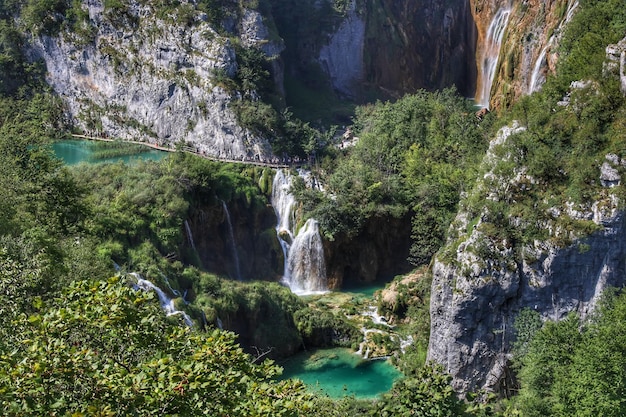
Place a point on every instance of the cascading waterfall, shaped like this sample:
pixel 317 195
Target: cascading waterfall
pixel 233 245
pixel 167 303
pixel 283 202
pixel 304 267
pixel 491 51
pixel 538 77
pixel 190 236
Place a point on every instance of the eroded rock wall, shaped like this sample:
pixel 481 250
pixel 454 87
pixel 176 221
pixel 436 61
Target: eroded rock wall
pixel 481 284
pixel 138 77
pixel 529 47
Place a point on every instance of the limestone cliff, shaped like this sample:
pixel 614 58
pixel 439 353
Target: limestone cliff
pixel 420 44
pixel 528 49
pixel 384 47
pixel 156 79
pixel 481 280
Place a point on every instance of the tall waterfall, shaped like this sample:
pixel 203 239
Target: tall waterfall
pixel 538 77
pixel 490 53
pixel 283 203
pixel 167 303
pixel 233 245
pixel 304 267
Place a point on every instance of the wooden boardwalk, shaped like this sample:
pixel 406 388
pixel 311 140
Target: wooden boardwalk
pixel 193 151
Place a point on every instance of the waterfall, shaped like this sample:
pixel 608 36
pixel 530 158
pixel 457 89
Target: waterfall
pixel 304 265
pixel 283 203
pixel 189 235
pixel 233 246
pixel 537 78
pixel 167 303
pixel 490 53
pixel 306 268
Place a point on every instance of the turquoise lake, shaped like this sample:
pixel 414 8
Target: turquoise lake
pixel 340 372
pixel 74 152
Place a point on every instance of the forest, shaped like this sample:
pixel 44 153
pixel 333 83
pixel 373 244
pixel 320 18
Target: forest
pixel 77 338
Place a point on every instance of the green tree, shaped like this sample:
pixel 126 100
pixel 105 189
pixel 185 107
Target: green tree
pixel 106 349
pixel 427 394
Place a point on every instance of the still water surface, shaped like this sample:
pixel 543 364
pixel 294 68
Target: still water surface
pixel 74 152
pixel 340 372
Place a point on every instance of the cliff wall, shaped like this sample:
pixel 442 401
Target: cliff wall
pixel 420 44
pixel 137 76
pixel 379 47
pixel 379 252
pixel 529 46
pixel 482 280
pixel 258 254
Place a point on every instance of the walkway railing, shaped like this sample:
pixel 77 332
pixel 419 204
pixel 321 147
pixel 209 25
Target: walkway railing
pixel 188 149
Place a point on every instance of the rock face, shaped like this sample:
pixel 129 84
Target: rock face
pixel 379 252
pixel 420 44
pixel 141 78
pixel 342 57
pixel 388 47
pixel 616 61
pixel 258 252
pixel 529 46
pixel 476 297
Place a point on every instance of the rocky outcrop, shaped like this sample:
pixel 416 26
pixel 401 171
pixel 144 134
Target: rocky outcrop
pixel 480 283
pixel 142 78
pixel 616 62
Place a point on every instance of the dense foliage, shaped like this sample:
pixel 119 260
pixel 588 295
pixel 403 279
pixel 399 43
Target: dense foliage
pixel 576 368
pixel 569 129
pixel 75 341
pixel 105 349
pixel 415 155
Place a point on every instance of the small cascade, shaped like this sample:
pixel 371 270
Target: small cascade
pixel 167 303
pixel 490 53
pixel 365 347
pixel 306 267
pixel 372 312
pixel 572 5
pixel 189 236
pixel 233 246
pixel 365 353
pixel 538 77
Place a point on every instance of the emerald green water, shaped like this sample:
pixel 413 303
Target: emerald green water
pixel 74 152
pixel 340 372
pixel 366 291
